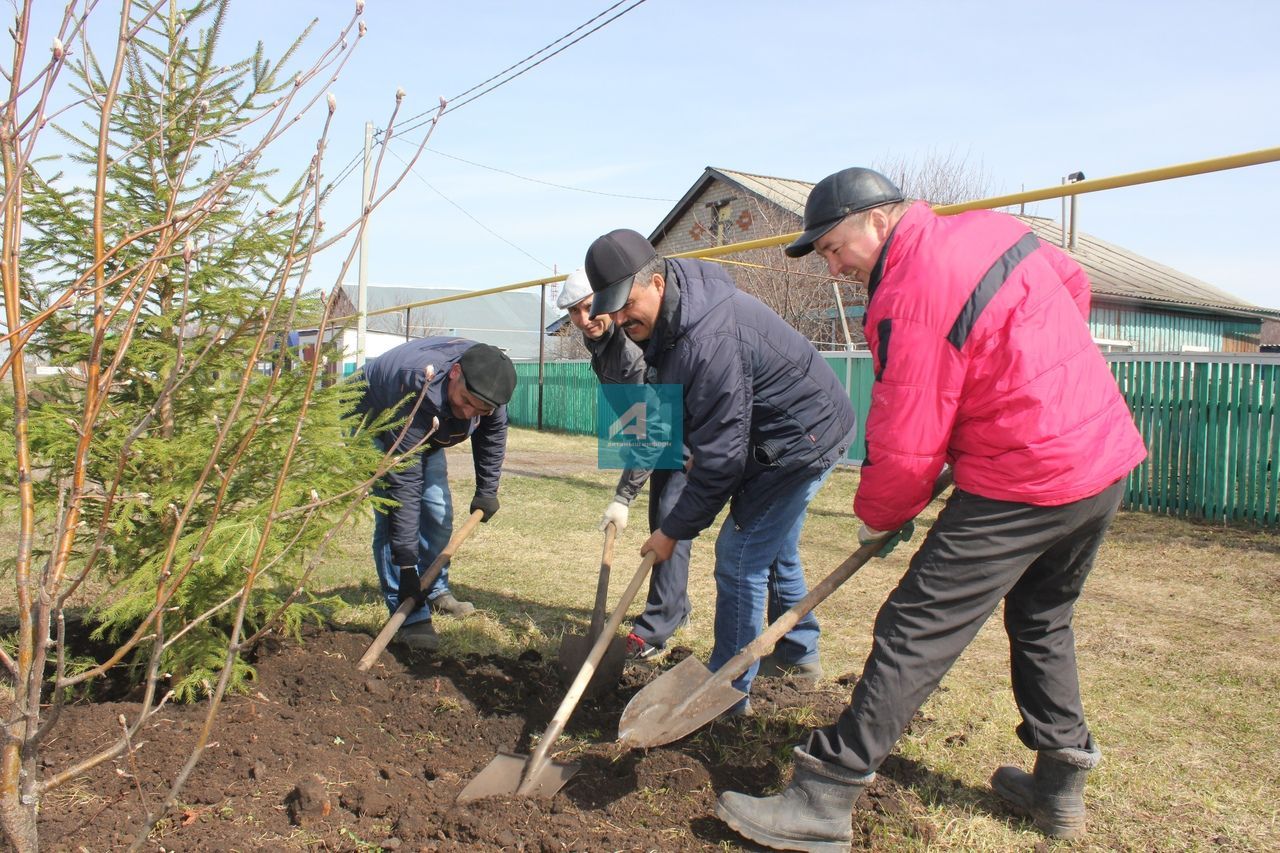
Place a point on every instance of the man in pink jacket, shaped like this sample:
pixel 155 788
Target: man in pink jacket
pixel 983 360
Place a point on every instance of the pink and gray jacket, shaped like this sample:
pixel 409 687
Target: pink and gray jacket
pixel 983 359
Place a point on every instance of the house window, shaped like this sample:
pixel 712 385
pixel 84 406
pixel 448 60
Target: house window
pixel 721 219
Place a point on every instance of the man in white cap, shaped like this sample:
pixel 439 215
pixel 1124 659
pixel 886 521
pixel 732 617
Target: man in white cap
pixel 617 361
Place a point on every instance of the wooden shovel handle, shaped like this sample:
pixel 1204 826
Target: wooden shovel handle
pixel 579 686
pixel 763 644
pixel 410 604
pixel 602 585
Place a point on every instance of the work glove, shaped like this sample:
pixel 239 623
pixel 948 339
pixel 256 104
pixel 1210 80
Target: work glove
pixel 487 504
pixel 870 534
pixel 615 513
pixel 407 585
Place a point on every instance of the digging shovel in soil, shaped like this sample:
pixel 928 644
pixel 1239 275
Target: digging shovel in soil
pixel 510 773
pixel 575 648
pixel 411 603
pixel 688 696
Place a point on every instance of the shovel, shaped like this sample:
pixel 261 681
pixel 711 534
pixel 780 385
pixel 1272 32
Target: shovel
pixel 510 773
pixel 688 696
pixel 575 648
pixel 411 603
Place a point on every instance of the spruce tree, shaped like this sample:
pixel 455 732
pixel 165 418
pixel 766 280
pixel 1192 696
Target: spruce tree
pixel 176 483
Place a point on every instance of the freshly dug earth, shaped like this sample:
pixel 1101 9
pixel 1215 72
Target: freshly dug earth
pixel 322 756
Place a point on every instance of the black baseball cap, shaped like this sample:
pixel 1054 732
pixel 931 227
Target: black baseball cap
pixel 835 197
pixel 612 262
pixel 488 374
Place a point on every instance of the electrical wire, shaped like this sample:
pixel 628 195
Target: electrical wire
pixel 467 214
pixel 455 104
pixel 539 50
pixel 346 172
pixel 539 180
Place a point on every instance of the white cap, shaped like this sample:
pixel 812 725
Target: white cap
pixel 576 288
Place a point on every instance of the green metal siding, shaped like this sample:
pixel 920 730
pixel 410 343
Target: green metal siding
pixel 1211 424
pixel 1170 331
pixel 568 396
pixel 1212 429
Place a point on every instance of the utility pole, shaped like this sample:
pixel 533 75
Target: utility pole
pixel 542 342
pixel 362 288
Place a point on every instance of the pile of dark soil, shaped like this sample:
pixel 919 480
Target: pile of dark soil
pixel 321 756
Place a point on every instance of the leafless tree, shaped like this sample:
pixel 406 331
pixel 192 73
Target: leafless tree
pixel 938 178
pixel 68 521
pixel 799 290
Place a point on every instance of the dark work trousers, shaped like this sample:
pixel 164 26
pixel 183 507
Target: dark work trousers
pixel 668 603
pixel 980 551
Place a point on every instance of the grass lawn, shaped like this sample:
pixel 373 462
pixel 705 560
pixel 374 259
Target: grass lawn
pixel 1178 636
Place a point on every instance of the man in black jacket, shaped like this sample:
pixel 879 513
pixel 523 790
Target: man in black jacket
pixel 616 360
pixel 466 385
pixel 764 419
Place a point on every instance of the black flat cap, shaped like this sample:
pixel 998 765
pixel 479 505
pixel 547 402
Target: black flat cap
pixel 835 197
pixel 612 262
pixel 488 374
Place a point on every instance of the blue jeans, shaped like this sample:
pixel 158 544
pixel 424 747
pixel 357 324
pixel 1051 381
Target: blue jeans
pixel 435 526
pixel 758 566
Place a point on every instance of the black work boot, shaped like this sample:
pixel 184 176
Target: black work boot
pixel 814 813
pixel 420 636
pixel 1053 794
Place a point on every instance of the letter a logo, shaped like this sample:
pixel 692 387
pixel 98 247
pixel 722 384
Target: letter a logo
pixel 631 422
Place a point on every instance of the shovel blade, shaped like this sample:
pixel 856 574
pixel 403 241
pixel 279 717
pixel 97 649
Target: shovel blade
pixel 574 650
pixel 680 701
pixel 502 776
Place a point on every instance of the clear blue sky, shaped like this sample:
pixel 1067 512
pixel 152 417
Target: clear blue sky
pixel 1027 91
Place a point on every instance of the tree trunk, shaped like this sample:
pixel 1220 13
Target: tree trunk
pixel 17 819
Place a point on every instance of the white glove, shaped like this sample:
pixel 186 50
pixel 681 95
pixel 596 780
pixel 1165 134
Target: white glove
pixel 870 534
pixel 616 514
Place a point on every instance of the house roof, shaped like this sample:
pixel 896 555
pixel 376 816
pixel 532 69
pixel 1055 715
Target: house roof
pixel 785 193
pixel 509 320
pixel 1114 272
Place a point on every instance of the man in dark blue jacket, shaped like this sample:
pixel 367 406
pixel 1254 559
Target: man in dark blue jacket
pixel 466 385
pixel 764 418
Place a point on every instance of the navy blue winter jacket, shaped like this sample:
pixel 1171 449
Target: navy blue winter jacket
pixel 395 380
pixel 761 407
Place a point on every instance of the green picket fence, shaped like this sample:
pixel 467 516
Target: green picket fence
pixel 1212 428
pixel 1211 424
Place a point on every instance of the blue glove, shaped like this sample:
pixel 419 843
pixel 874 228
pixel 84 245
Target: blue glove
pixel 870 534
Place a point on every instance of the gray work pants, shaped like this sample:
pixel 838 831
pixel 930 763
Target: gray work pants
pixel 668 606
pixel 979 552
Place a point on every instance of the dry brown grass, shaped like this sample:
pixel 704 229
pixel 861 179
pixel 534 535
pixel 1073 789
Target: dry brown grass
pixel 1179 645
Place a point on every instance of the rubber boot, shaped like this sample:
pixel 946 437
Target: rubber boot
pixel 814 813
pixel 447 604
pixel 420 636
pixel 805 675
pixel 1053 794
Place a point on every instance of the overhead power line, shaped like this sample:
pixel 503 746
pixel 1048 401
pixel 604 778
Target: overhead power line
pixel 455 103
pixel 467 213
pixel 540 180
pixel 417 121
